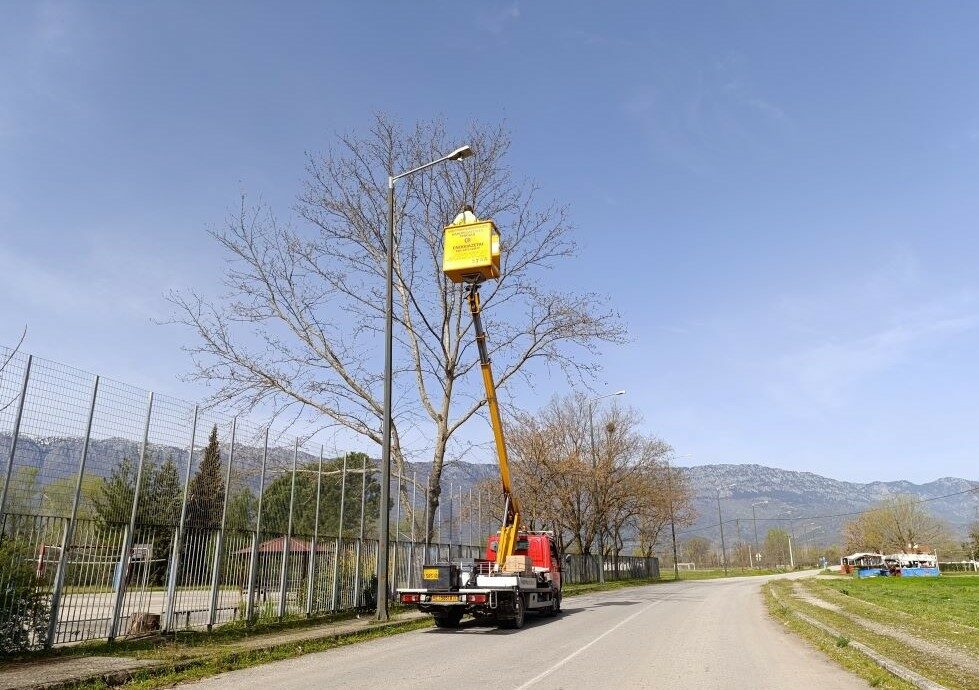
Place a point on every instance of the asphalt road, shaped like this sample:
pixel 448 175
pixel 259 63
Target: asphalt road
pixel 698 634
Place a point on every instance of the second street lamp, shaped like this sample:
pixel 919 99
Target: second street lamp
pixel 594 468
pixel 383 530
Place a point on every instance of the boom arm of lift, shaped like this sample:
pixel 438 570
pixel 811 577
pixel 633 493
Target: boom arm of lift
pixel 511 511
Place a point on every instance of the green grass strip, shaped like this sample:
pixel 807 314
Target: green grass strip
pixel 836 648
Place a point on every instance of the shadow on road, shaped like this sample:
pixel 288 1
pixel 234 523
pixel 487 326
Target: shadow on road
pixel 473 626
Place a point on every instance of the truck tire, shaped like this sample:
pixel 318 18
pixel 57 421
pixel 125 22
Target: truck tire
pixel 448 619
pixel 519 613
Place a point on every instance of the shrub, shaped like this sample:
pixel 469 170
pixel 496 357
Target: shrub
pixel 23 608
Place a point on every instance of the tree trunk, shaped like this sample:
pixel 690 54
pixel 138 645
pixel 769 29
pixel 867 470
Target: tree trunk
pixel 435 482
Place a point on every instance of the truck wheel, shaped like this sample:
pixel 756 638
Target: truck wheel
pixel 448 619
pixel 519 613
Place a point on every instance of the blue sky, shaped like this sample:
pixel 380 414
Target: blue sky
pixel 780 197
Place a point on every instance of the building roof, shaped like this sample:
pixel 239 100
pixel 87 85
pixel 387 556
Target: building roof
pixel 277 545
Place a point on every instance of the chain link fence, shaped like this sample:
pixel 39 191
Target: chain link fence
pixel 136 512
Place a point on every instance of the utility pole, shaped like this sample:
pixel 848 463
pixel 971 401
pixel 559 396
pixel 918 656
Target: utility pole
pixel 754 522
pixel 720 522
pixel 669 483
pixel 791 538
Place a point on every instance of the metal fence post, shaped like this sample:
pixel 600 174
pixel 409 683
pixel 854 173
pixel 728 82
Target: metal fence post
pixel 339 542
pixel 219 547
pixel 15 435
pixel 287 542
pixel 411 546
pixel 179 538
pixel 360 542
pixel 253 564
pixel 59 576
pixel 397 536
pixel 127 541
pixel 311 574
pixel 428 534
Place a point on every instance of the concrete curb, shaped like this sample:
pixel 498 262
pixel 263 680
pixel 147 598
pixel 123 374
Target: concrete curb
pixel 885 663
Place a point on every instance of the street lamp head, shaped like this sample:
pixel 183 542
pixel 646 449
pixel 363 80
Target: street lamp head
pixel 622 392
pixel 460 153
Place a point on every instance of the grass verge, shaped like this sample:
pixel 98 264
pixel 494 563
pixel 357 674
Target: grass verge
pixel 231 660
pixel 916 642
pixel 836 648
pixel 923 623
pixel 953 599
pixel 184 644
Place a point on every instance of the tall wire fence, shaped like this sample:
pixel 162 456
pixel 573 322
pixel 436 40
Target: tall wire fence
pixel 136 512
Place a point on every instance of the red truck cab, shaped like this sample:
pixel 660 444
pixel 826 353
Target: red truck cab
pixel 539 546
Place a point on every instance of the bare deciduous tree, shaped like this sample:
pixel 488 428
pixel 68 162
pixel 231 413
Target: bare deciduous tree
pixel 622 490
pixel 895 524
pixel 300 326
pixel 5 362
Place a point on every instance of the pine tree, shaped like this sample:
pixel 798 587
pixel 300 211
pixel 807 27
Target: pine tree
pixel 160 513
pixel 166 494
pixel 205 496
pixel 114 502
pixel 242 509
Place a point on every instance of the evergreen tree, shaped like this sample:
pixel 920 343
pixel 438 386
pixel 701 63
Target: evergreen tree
pixel 166 494
pixel 161 509
pixel 114 502
pixel 205 496
pixel 242 510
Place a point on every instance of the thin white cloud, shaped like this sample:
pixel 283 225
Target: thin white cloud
pixel 825 373
pixel 855 331
pixel 103 280
pixel 500 20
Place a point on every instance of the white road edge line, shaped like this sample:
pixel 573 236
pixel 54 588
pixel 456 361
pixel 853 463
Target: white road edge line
pixel 575 653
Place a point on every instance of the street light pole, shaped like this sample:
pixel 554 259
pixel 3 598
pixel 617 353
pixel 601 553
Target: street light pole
pixel 384 518
pixel 594 469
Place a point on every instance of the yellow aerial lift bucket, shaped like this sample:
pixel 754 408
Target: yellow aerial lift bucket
pixel 471 249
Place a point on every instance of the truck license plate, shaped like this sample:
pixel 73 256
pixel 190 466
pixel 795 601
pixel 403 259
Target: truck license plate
pixel 430 574
pixel 445 598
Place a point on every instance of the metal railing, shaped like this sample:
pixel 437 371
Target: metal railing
pixel 135 511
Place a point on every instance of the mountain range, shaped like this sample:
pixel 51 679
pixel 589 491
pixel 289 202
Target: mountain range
pixel 815 504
